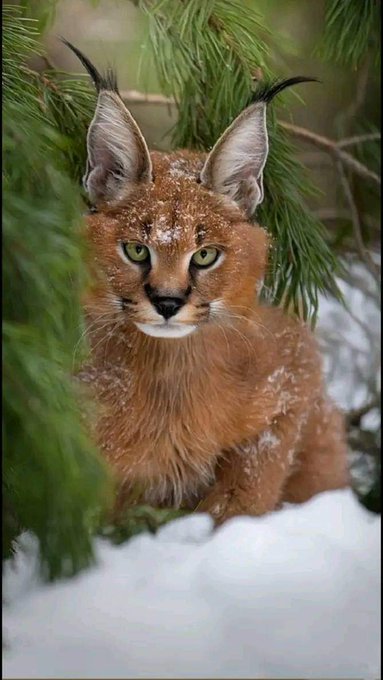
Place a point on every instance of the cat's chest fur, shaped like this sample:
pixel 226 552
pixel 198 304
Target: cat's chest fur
pixel 165 417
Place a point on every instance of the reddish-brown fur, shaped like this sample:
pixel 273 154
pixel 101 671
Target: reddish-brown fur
pixel 232 418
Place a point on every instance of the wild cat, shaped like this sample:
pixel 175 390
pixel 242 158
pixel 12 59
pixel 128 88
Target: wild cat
pixel 206 398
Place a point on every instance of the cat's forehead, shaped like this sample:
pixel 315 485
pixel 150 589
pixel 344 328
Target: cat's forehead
pixel 174 210
pixel 175 218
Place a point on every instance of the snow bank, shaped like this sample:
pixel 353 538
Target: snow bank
pixel 294 594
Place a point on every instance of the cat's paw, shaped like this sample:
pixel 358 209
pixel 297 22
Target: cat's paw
pixel 222 506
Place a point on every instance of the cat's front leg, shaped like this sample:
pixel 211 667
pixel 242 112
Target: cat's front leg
pixel 250 478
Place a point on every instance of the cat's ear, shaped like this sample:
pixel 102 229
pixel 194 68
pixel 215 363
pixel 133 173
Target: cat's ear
pixel 118 157
pixel 235 165
pixel 117 152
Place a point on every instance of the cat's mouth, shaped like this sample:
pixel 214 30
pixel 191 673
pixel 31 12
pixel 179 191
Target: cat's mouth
pixel 166 329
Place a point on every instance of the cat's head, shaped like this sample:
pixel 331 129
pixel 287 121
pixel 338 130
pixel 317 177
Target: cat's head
pixel 175 254
pixel 171 232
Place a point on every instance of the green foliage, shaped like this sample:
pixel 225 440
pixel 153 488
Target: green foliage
pixel 137 519
pixel 301 257
pixel 351 31
pixel 207 55
pixel 53 482
pixel 69 104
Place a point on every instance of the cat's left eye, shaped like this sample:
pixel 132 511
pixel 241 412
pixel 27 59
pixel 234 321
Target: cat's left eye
pixel 136 252
pixel 205 257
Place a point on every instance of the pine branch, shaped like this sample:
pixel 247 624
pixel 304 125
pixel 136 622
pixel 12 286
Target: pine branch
pixel 54 483
pixel 351 31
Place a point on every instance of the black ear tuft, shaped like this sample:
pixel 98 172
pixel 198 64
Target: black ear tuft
pixel 102 82
pixel 266 92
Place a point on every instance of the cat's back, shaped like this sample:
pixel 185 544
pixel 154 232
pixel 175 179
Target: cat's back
pixel 291 347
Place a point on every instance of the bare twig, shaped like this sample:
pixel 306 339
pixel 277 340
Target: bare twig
pixel 332 147
pixel 334 214
pixel 135 97
pixel 359 139
pixel 363 252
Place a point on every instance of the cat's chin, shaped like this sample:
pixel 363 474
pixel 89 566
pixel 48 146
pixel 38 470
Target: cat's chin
pixel 166 330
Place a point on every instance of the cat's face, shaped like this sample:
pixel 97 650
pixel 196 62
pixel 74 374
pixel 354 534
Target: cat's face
pixel 175 256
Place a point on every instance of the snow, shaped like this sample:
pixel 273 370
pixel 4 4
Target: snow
pixel 294 594
pixel 351 342
pixel 268 440
pixel 167 235
pixel 180 168
pixel 291 594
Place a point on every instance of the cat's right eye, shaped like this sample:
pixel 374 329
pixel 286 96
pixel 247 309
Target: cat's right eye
pixel 136 252
pixel 205 257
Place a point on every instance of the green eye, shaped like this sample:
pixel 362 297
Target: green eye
pixel 205 257
pixel 136 252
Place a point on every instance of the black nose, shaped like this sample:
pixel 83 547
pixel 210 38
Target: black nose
pixel 167 306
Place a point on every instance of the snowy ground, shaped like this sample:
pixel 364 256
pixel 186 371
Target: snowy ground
pixel 292 595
